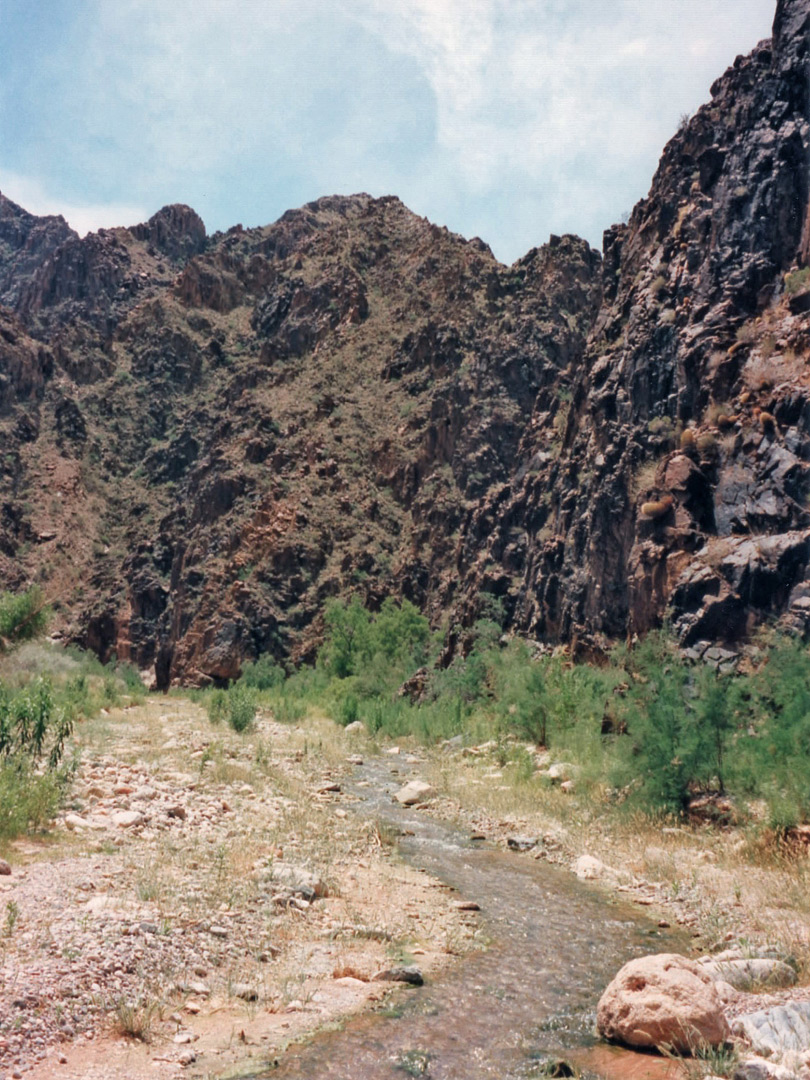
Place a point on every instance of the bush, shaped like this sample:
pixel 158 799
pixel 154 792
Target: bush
pixel 348 641
pixel 217 706
pixel 31 726
pixel 349 710
pixel 28 800
pixel 22 616
pixel 33 731
pixel 798 281
pixel 262 674
pixel 398 634
pixel 772 756
pixel 241 707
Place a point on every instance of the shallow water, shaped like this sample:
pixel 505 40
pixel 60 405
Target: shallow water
pixel 556 943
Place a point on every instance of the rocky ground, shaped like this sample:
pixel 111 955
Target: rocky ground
pixel 206 897
pixel 208 892
pixel 743 902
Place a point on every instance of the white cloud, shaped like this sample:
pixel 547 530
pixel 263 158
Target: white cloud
pixel 509 118
pixel 29 193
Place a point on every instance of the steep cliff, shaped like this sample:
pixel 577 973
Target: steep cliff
pixel 682 484
pixel 302 410
pixel 204 438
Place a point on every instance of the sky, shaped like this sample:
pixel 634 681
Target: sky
pixel 504 119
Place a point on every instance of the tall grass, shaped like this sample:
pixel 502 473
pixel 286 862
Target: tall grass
pixel 44 691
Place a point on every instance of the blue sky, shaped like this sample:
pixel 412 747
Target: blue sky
pixel 506 119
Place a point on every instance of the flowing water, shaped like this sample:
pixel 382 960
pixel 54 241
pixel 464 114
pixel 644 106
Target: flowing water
pixel 502 1013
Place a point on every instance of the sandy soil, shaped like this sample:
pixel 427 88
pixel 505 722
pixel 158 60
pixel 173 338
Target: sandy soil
pixel 210 889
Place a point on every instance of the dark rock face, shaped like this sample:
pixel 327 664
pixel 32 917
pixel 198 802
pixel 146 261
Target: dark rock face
pixel 206 438
pixel 25 242
pixel 175 230
pixel 694 333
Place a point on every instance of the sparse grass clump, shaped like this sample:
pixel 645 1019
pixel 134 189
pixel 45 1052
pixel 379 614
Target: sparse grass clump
pixel 135 1019
pixel 797 281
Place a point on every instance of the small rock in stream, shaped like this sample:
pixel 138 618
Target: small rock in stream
pixel 416 791
pixel 521 843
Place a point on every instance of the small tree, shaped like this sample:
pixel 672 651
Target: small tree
pixel 348 637
pixel 400 633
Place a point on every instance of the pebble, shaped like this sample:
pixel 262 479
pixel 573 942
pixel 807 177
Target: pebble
pixel 5 869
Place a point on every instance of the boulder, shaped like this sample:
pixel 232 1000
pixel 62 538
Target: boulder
pixel 746 974
pixel 417 791
pixel 663 1000
pixel 773 1032
pixel 758 1068
pixel 588 868
pixel 560 771
pixel 297 881
pixel 521 843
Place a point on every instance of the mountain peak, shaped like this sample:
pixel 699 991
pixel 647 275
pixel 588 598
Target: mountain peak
pixel 175 230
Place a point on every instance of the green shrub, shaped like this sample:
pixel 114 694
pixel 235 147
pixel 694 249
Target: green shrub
pixel 33 731
pixel 348 640
pixel 772 755
pixel 217 706
pixel 22 616
pixel 798 281
pixel 31 725
pixel 349 710
pixel 262 674
pixel 400 633
pixel 130 676
pixel 28 800
pixel 241 707
pixel 288 710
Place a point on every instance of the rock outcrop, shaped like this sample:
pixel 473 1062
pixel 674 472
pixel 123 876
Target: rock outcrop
pixel 693 389
pixel 207 437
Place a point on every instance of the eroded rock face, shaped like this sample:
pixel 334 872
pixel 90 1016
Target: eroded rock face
pixel 662 1001
pixel 695 336
pixel 206 438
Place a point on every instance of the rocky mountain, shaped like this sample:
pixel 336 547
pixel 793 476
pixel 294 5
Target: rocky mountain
pixel 204 438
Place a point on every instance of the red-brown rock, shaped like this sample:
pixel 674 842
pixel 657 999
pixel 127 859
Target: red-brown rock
pixel 664 1000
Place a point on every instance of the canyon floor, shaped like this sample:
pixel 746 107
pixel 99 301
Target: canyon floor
pixel 205 898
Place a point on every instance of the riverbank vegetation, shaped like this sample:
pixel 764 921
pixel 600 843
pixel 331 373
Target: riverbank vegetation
pixel 647 730
pixel 44 691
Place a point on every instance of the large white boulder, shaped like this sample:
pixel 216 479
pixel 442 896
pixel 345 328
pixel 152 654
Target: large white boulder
pixel 663 1000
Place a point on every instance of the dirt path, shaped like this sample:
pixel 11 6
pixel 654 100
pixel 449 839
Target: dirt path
pixel 209 891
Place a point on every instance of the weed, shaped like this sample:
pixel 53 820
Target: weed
pixel 135 1018
pixel 12 915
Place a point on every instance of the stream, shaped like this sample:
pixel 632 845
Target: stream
pixel 503 1013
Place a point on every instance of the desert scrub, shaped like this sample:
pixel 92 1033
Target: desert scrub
pixel 33 731
pixel 22 616
pixel 798 281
